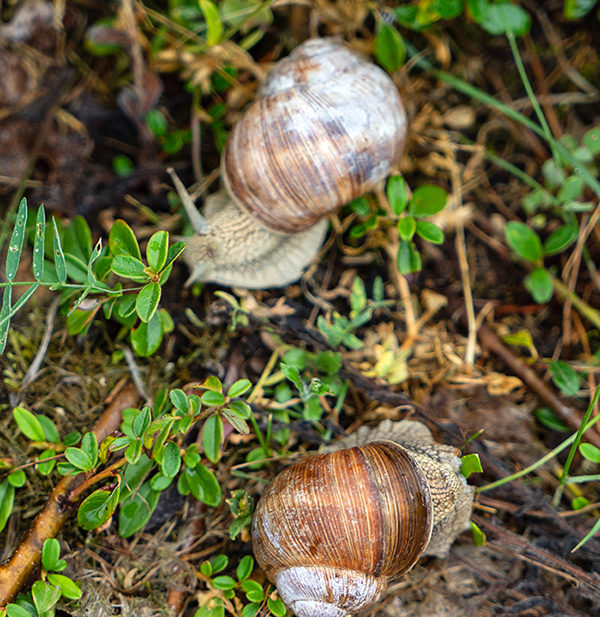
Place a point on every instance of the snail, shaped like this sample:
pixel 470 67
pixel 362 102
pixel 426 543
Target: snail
pixel 334 529
pixel 327 127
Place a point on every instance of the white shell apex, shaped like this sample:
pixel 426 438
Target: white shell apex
pixel 326 591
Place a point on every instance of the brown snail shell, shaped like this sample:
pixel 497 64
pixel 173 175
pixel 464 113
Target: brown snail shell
pixel 334 529
pixel 327 127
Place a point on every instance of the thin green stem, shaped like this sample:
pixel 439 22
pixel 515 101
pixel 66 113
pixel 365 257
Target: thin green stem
pixel 483 97
pixel 565 444
pixel 578 436
pixel 512 41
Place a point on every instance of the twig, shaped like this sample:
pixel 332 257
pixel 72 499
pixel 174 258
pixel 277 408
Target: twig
pixel 525 550
pixel 570 415
pixel 57 510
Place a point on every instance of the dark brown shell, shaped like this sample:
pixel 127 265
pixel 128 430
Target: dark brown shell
pixel 365 509
pixel 327 127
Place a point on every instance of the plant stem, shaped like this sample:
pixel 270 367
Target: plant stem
pixel 578 436
pixel 565 444
pixel 531 94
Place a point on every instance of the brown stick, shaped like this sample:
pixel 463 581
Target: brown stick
pixel 571 416
pixel 47 524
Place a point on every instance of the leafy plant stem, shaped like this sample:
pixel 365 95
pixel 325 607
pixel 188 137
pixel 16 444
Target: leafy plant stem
pixel 105 473
pixel 562 446
pixel 483 97
pixel 512 41
pixel 565 472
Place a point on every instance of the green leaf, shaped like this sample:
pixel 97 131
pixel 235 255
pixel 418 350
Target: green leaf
pixel 49 429
pixel 576 9
pixel 97 508
pixel 427 200
pixel 46 467
pixel 590 534
pixel 505 17
pixel 214 26
pixel 122 165
pixel 540 285
pixel 212 398
pixel 579 502
pixel 28 424
pixel 590 452
pixel 157 249
pixel 173 252
pixel 256 596
pixel 224 582
pixel 78 458
pixel 277 607
pixel 292 375
pixel 4 319
pixel 70 589
pixel 147 301
pixel 238 423
pixel 560 239
pixel 524 241
pixel 122 241
pixel 50 553
pixel 89 445
pixel 250 610
pixel 203 485
pixel 469 464
pixel 565 377
pixel 430 232
pixel 141 422
pixel 245 567
pixel 241 409
pixel 390 51
pixel 136 511
pixel 7 500
pixel 147 337
pixel 591 140
pixel 397 194
pixel 448 9
pixel 129 267
pixel 17 478
pixel 241 386
pixel 157 123
pixel 478 535
pixel 408 258
pixel 212 437
pixel 548 418
pixel 407 227
pixel 59 256
pixel 180 400
pixel 14 610
pixel 219 563
pixel 15 246
pixel 44 595
pixel 39 244
pixel 171 460
pixel 572 188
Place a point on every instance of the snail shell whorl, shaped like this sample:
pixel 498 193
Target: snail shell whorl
pixel 332 530
pixel 327 127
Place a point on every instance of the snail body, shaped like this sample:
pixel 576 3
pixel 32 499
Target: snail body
pixel 327 126
pixel 333 530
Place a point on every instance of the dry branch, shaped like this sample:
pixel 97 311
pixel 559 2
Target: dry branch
pixel 47 524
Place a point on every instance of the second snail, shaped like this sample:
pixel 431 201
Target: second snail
pixel 334 530
pixel 327 127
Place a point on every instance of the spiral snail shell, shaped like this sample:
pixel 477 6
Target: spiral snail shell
pixel 334 529
pixel 327 126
